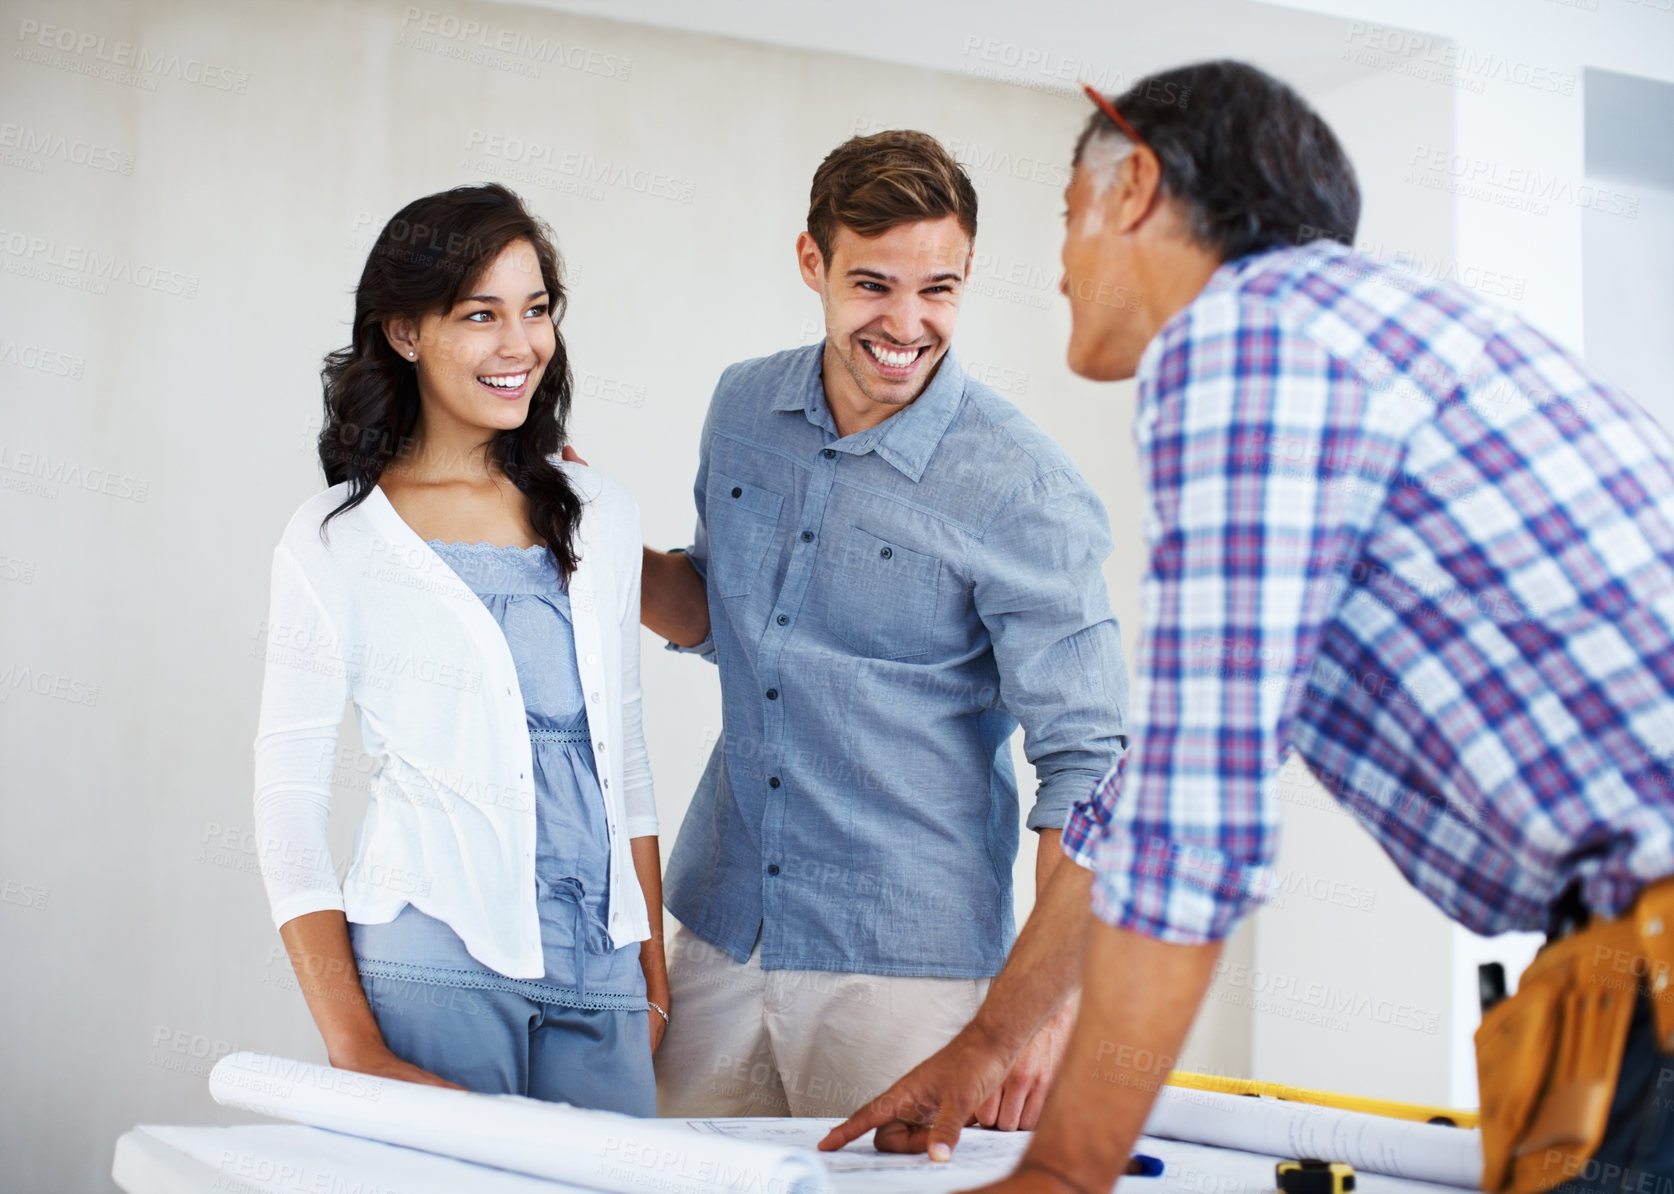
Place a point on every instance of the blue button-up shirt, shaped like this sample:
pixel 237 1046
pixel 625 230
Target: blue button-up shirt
pixel 886 608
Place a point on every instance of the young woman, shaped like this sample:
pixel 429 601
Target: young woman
pixel 476 598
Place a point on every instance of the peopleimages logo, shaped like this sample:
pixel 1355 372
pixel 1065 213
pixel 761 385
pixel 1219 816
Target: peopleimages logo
pixel 1463 63
pixel 126 62
pixel 1285 995
pixel 41 360
pixel 44 144
pixel 1052 171
pixel 459 37
pixel 1042 69
pixel 49 259
pixel 1520 188
pixel 581 169
pixel 45 472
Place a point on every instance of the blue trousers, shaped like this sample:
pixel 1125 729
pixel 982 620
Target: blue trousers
pixel 1637 1156
pixel 496 1042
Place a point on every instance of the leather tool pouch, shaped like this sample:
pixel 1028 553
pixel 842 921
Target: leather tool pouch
pixel 1653 917
pixel 1548 1057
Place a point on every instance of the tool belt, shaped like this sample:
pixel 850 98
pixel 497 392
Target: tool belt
pixel 1548 1058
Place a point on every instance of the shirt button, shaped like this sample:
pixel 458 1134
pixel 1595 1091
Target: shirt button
pixel 807 536
pixel 594 698
pixel 607 783
pixel 773 869
pixel 829 453
pixel 783 619
pixel 600 745
pixel 886 553
pixel 737 492
pixel 592 659
pixel 772 694
pixel 773 781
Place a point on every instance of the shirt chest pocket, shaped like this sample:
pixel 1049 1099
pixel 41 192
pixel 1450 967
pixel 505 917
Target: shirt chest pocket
pixel 882 597
pixel 742 521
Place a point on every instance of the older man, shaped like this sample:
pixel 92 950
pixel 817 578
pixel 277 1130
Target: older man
pixel 1329 455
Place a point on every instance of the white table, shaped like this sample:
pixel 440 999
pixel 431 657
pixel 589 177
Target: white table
pixel 291 1159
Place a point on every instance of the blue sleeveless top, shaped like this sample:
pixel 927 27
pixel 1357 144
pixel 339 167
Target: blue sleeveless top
pixel 523 590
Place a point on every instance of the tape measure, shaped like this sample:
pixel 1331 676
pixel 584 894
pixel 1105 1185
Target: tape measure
pixel 1308 1176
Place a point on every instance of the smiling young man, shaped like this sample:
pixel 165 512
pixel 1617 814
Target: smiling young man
pixel 893 569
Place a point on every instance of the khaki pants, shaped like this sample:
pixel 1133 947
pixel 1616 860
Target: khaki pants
pixel 747 1041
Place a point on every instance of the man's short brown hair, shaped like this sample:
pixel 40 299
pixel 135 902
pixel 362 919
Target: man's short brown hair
pixel 872 184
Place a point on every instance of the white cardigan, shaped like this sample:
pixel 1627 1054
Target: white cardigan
pixel 374 616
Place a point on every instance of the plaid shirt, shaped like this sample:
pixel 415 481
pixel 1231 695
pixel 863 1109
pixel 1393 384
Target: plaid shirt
pixel 1396 530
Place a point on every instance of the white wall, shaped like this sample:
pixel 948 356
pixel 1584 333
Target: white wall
pixel 1629 263
pixel 161 325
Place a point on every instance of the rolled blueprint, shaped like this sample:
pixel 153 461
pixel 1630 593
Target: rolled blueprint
pixel 601 1150
pixel 1279 1128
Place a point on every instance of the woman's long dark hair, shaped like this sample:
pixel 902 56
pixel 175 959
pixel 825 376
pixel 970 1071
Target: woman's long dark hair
pixel 425 260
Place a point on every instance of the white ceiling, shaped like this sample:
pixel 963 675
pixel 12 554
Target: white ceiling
pixel 1628 36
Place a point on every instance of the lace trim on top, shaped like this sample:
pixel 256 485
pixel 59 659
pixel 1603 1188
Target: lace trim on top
pixel 495 568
